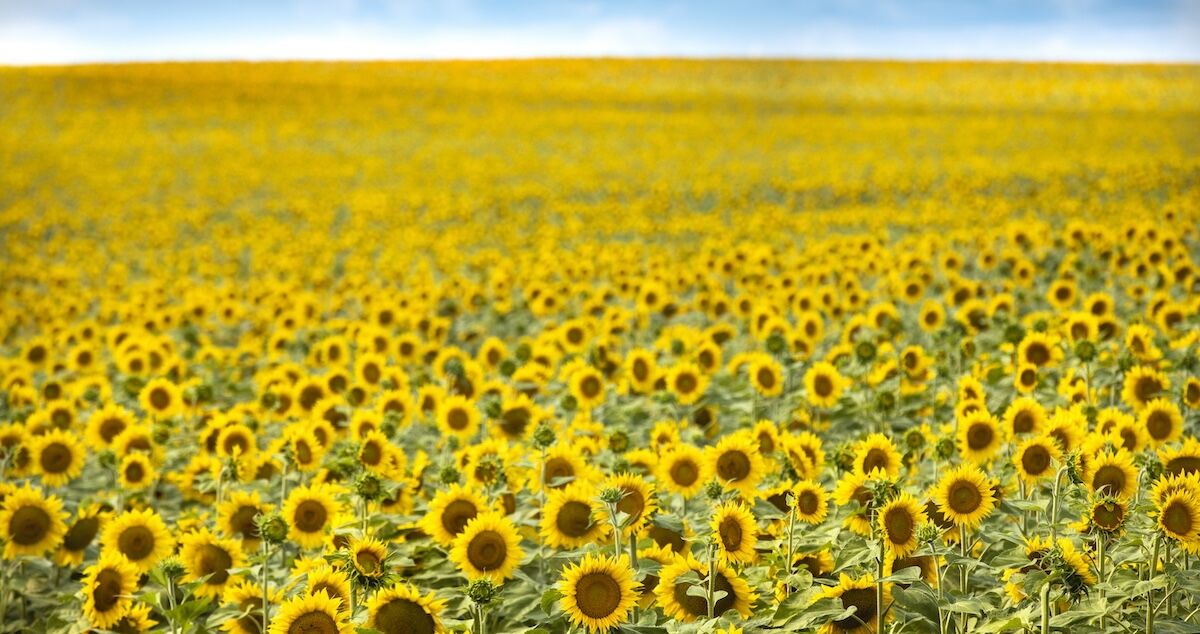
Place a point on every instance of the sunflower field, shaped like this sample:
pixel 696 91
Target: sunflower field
pixel 572 346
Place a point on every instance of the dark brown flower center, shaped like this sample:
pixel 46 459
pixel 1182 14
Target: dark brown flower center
pixel 823 385
pixel 213 560
pixel 684 472
pixel 487 551
pixel 28 525
pixel 597 594
pixel 964 497
pixel 160 399
pixel 1109 479
pixel 310 516
pixel 81 534
pixel 56 458
pixel 136 542
pixel 863 600
pixel 313 623
pixel 574 519
pixel 107 590
pixel 456 515
pixel 900 525
pixel 1035 460
pixel 730 531
pixel 733 465
pixel 402 616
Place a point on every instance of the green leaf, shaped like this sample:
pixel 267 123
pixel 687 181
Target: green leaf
pixel 550 599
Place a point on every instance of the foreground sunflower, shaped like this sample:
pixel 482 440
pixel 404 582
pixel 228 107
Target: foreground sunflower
pixel 598 592
pixel 89 522
pixel 737 463
pixel 736 532
pixel 857 593
pixel 108 588
pixel 30 522
pixel 488 547
pixel 311 512
pixel 58 457
pixel 964 496
pixel 1178 516
pixel 898 521
pixel 401 609
pixel 673 597
pixel 450 510
pixel 572 517
pixel 368 556
pixel 211 558
pixel 1035 459
pixel 311 614
pixel 682 469
pixel 637 499
pixel 811 502
pixel 139 536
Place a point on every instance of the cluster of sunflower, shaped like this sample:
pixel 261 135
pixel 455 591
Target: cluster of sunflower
pixel 283 407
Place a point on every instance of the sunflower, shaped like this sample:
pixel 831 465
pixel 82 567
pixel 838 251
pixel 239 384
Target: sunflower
pixel 236 440
pixel 208 557
pixel 876 451
pixel 687 383
pixel 1035 458
pixel 964 496
pixel 57 456
pixel 139 536
pixel 824 384
pixel 818 563
pixel 637 499
pixel 236 517
pixel 1025 379
pixel 489 547
pixel 306 450
pixel 135 621
pixel 373 452
pixel 811 502
pixel 572 518
pixel 108 588
pixel 1039 350
pixel 563 465
pixel 1024 417
pixel 30 522
pixel 458 416
pixel 368 556
pixel 927 564
pixel 1142 385
pixel 766 376
pixel 641 369
pixel 136 471
pixel 105 424
pixel 898 521
pixel 1068 427
pixel 1191 393
pixel 311 512
pixel 598 592
pixel 588 387
pixel 334 583
pixel 1107 514
pixel 161 398
pixel 1112 473
pixel 852 488
pixel 1182 460
pixel 737 463
pixel 401 609
pixel 736 532
pixel 311 614
pixel 672 593
pixel 979 437
pixel 932 316
pixel 1179 516
pixel 247 598
pixel 804 452
pixel 89 522
pixel 857 593
pixel 1162 421
pixel 450 510
pixel 396 406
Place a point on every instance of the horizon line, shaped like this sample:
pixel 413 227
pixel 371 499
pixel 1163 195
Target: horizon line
pixel 532 58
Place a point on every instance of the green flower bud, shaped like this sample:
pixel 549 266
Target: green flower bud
pixel 368 486
pixel 273 528
pixel 448 475
pixel 482 591
pixel 543 435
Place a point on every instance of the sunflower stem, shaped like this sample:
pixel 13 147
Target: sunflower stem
pixel 1045 600
pixel 879 587
pixel 1100 539
pixel 3 589
pixel 787 588
pixel 1150 577
pixel 266 605
pixel 712 579
pixel 633 563
pixel 612 514
pixel 171 602
pixel 1054 504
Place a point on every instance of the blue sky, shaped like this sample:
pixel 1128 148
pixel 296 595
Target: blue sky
pixel 64 31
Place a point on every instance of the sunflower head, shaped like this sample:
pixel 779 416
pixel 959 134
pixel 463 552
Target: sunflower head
pixel 488 547
pixel 401 609
pixel 30 522
pixel 964 496
pixel 311 614
pixel 598 592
